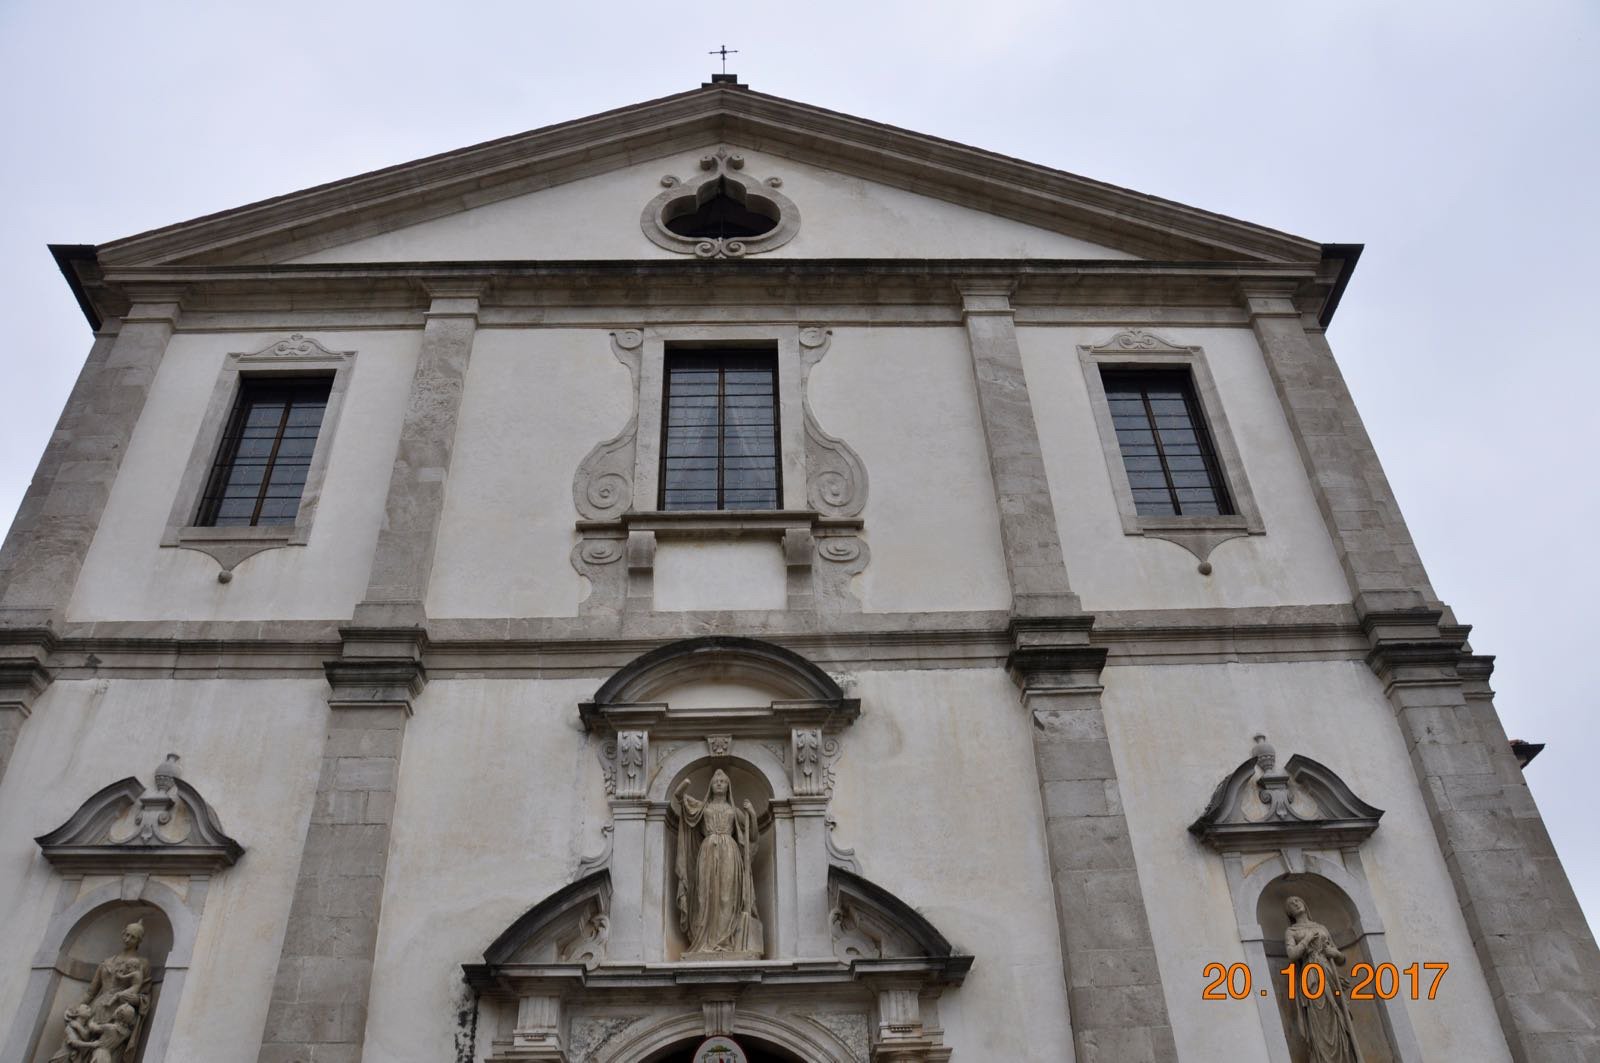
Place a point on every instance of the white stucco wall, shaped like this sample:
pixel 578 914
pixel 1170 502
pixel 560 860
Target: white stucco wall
pixel 251 748
pixel 743 574
pixel 1292 564
pixel 1176 731
pixel 598 217
pixel 905 399
pixel 500 795
pixel 534 403
pixel 128 575
pixel 937 793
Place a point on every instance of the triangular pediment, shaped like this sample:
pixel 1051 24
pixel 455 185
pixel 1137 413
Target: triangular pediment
pixel 576 191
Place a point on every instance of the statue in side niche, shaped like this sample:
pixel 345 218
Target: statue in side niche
pixel 1323 1021
pixel 716 887
pixel 105 1027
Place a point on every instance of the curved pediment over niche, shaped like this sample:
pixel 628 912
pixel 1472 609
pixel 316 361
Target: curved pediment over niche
pixel 778 687
pixel 1259 807
pixel 127 827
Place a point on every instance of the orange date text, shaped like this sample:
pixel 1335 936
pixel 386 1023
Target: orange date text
pixel 1419 981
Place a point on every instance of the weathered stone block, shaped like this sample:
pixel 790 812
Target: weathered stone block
pixel 1075 797
pixel 1062 760
pixel 1089 843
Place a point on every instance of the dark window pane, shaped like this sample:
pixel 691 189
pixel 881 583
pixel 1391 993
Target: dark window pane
pixel 261 466
pixel 719 442
pixel 1171 464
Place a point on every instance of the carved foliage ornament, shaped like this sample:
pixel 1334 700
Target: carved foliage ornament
pixel 721 173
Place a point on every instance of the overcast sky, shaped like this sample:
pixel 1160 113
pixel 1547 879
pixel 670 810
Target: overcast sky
pixel 1457 140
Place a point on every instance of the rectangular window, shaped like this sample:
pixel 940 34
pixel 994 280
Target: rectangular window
pixel 260 469
pixel 1172 465
pixel 719 445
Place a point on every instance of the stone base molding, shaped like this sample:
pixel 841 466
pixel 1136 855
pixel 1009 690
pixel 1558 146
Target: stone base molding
pixel 1114 994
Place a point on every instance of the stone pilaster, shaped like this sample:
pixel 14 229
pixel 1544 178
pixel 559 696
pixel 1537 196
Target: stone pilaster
pixel 319 1004
pixel 318 1012
pixel 85 454
pixel 1114 994
pixel 1369 535
pixel 1114 991
pixel 1537 952
pixel 50 537
pixel 404 557
pixel 1027 518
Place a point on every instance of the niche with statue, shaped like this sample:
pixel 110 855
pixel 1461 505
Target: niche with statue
pixel 1290 840
pixel 135 865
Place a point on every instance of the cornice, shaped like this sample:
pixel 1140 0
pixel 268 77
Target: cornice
pixel 384 290
pixel 566 647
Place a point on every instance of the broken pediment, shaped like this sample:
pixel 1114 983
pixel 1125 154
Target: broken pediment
pixel 127 827
pixel 576 189
pixel 1260 807
pixel 571 926
pixel 566 936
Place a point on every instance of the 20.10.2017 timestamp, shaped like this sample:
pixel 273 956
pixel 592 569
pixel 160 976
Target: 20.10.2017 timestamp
pixel 1383 982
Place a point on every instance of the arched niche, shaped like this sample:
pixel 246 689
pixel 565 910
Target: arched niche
pixel 1283 831
pixel 96 936
pixel 129 852
pixel 1333 908
pixel 763 713
pixel 598 971
pixel 748 782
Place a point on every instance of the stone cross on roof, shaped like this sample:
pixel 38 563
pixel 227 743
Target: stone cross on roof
pixel 724 51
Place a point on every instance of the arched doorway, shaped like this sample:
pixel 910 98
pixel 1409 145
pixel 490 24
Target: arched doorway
pixel 755 1051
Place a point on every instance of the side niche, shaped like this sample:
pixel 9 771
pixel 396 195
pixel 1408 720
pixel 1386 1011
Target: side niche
pixel 1290 839
pixel 719 907
pixel 135 864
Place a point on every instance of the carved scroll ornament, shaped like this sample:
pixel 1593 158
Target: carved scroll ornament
pixel 722 171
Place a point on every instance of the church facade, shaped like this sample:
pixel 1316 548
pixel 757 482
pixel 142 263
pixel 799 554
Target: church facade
pixel 725 580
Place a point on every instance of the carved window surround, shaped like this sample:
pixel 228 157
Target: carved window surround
pixel 296 356
pixel 1302 823
pixel 824 481
pixel 1139 349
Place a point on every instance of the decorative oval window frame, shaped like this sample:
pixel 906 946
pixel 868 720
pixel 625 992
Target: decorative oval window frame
pixel 724 166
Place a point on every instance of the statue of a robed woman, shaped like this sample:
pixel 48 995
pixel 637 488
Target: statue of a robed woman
pixel 1324 1020
pixel 105 1028
pixel 716 886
